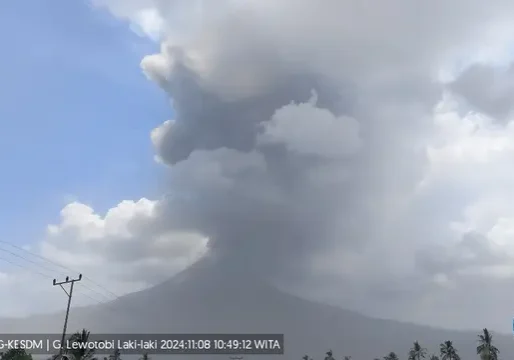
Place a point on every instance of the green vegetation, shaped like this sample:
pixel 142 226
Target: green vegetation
pixel 417 352
pixel 15 354
pixel 145 357
pixel 81 337
pixel 485 351
pixel 448 352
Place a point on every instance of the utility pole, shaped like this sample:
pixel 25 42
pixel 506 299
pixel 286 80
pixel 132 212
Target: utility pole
pixel 70 294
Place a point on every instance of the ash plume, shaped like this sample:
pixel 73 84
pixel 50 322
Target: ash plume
pixel 301 128
pixel 292 122
pixel 259 169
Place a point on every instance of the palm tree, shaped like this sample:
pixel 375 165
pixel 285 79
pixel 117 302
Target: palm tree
pixel 329 355
pixel 434 357
pixel 116 355
pixel 485 349
pixel 82 337
pixel 15 354
pixel 448 352
pixel 417 352
pixel 391 356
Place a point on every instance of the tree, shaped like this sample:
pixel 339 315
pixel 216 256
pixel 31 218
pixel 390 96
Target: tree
pixel 391 356
pixel 448 352
pixel 434 357
pixel 116 355
pixel 146 357
pixel 417 352
pixel 329 355
pixel 81 337
pixel 485 349
pixel 347 358
pixel 15 354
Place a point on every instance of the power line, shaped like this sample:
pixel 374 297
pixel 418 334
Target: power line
pixel 55 264
pixel 91 298
pixel 21 257
pixel 49 269
pixel 107 305
pixel 100 286
pixel 46 276
pixel 23 267
pixel 70 294
pixel 107 298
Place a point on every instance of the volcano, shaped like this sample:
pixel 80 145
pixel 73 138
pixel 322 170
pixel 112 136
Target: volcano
pixel 209 298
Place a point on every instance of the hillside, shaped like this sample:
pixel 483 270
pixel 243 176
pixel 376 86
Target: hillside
pixel 206 298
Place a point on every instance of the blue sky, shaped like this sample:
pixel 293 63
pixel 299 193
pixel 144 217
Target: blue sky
pixel 75 113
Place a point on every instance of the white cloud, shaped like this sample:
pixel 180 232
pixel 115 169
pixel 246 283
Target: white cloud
pixel 115 250
pixel 157 135
pixel 121 238
pixel 149 23
pixel 142 15
pixel 470 147
pixel 309 130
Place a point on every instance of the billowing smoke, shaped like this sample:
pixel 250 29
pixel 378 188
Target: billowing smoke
pixel 258 175
pixel 302 128
pixel 294 123
pixel 263 149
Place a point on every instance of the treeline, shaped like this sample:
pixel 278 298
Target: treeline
pixel 485 350
pixel 76 354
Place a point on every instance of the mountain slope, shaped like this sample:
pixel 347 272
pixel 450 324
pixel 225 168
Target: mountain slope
pixel 210 298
